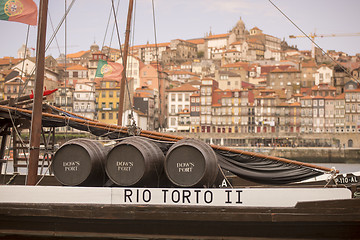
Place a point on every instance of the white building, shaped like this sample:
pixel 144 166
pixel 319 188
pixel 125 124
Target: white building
pixel 215 42
pixel 133 69
pixel 178 101
pixel 84 98
pixel 27 67
pixel 147 53
pixel 323 75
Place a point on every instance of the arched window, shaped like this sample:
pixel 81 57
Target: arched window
pixel 350 143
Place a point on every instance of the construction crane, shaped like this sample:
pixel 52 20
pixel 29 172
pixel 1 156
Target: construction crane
pixel 314 35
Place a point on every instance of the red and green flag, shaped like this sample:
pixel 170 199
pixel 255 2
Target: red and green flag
pixel 23 11
pixel 108 70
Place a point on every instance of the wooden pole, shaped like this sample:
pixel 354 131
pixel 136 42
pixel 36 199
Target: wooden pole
pixel 125 54
pixel 36 116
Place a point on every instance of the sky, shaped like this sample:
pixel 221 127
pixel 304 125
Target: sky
pixel 188 19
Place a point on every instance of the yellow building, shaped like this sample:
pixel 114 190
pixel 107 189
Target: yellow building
pixel 107 100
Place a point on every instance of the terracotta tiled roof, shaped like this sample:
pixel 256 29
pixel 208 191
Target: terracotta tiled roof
pixel 266 96
pixel 225 35
pixel 231 50
pixel 183 88
pixel 166 44
pixel 197 41
pixel 340 97
pixel 237 64
pixel 290 69
pixel 76 67
pixel 310 64
pixel 237 43
pixel 318 97
pixel 353 90
pixel 254 40
pixel 329 98
pixel 307 97
pixel 295 104
pixel 6 60
pixel 77 55
pixel 142 94
pixel 180 72
pixel 267 91
pixel 194 82
pixel 284 104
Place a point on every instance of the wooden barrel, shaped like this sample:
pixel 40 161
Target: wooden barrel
pixel 191 163
pixel 80 162
pixel 135 161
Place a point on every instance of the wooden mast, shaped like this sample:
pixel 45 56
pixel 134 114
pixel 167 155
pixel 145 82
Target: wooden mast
pixel 125 54
pixel 36 116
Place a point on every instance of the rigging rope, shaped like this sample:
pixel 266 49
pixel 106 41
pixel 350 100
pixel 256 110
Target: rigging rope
pixel 56 41
pixel 113 29
pixel 343 68
pixel 107 27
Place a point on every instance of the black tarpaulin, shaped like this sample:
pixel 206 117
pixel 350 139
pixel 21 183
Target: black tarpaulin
pixel 262 170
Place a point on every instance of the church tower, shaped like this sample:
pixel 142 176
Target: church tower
pixel 239 30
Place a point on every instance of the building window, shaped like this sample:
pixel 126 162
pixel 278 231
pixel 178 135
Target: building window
pixel 111 94
pixel 173 121
pixel 103 116
pixel 110 115
pixel 187 96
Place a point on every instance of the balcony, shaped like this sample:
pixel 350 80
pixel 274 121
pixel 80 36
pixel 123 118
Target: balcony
pixel 84 110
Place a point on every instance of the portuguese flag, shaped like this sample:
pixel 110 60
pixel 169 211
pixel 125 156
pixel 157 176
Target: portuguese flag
pixel 108 70
pixel 24 11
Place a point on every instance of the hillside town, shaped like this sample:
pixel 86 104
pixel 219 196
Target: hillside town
pixel 246 85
